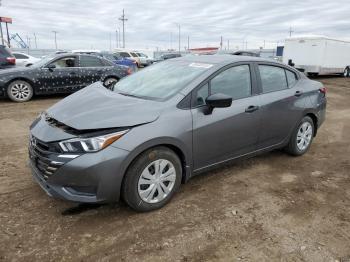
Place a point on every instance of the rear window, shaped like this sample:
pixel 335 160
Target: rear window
pixel 5 51
pixel 291 78
pixel 90 61
pixel 273 78
pixel 20 56
pixel 124 54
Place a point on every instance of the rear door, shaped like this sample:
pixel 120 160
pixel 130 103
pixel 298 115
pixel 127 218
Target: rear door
pixel 92 68
pixel 227 132
pixel 282 103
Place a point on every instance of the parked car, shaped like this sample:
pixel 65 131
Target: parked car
pixel 119 60
pixel 129 55
pixel 167 56
pixel 7 60
pixel 144 59
pixel 58 74
pixel 24 59
pixel 115 58
pixel 169 122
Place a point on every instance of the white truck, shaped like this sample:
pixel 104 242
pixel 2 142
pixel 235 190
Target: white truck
pixel 318 55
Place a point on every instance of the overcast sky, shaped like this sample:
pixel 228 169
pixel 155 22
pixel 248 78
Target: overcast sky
pixel 153 23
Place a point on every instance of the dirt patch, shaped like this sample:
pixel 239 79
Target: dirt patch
pixel 270 208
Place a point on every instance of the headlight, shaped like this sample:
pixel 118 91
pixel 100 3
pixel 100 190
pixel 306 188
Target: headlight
pixel 91 144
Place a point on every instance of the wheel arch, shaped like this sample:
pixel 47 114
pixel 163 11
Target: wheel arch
pixel 168 143
pixel 314 120
pixel 110 76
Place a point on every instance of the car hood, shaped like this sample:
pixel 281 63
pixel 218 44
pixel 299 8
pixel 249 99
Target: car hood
pixel 96 107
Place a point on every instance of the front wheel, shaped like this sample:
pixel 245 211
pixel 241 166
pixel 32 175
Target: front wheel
pixel 19 91
pixel 346 72
pixel 301 138
pixel 152 179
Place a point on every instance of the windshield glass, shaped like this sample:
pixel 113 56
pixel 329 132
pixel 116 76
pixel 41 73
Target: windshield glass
pixel 43 61
pixel 160 81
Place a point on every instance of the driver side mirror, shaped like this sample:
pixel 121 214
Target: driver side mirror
pixel 51 67
pixel 218 101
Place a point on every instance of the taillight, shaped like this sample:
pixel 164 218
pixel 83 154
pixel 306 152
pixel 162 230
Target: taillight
pixel 129 71
pixel 323 90
pixel 11 60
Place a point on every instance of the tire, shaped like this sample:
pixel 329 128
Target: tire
pixel 109 81
pixel 143 188
pixel 346 72
pixel 20 91
pixel 302 137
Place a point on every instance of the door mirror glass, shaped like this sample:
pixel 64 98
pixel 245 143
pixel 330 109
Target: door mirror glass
pixel 219 100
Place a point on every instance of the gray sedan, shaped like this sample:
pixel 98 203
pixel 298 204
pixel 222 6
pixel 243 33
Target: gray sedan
pixel 169 122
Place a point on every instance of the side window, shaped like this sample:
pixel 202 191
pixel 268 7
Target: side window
pixel 124 54
pixel 291 78
pixel 202 94
pixel 90 61
pixel 65 62
pixel 234 82
pixel 20 56
pixel 272 78
pixel 133 54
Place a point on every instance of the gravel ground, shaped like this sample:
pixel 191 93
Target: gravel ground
pixel 269 208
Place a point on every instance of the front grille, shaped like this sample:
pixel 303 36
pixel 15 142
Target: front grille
pixel 42 156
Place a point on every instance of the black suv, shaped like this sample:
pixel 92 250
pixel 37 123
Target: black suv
pixel 7 60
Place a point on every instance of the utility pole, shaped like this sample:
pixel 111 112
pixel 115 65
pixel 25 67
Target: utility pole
pixel 290 31
pixel 2 35
pixel 221 43
pixel 228 44
pixel 179 37
pixel 55 32
pixel 36 45
pixel 116 38
pixel 110 41
pixel 123 19
pixel 188 43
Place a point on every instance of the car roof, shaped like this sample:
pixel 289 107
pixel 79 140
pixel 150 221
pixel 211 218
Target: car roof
pixel 222 59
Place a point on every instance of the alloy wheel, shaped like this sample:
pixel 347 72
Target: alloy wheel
pixel 304 136
pixel 21 91
pixel 156 181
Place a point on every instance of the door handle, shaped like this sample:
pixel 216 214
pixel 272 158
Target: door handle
pixel 298 93
pixel 251 109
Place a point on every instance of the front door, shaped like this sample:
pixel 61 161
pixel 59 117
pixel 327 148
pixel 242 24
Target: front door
pixel 63 77
pixel 230 132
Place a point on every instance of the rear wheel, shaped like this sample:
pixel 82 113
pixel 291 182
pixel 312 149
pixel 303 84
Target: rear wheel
pixel 109 81
pixel 152 179
pixel 19 91
pixel 301 138
pixel 346 72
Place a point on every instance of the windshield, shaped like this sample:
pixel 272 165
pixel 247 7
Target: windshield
pixel 43 61
pixel 160 81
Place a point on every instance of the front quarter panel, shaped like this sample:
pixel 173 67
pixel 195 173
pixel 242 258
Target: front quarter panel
pixel 173 127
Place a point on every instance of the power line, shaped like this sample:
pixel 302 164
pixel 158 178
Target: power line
pixel 123 19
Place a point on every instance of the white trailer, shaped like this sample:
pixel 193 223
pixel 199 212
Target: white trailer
pixel 318 55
